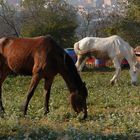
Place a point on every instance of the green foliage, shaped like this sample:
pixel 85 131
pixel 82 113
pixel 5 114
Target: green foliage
pixel 134 13
pixel 128 27
pixel 136 2
pixel 113 111
pixel 56 18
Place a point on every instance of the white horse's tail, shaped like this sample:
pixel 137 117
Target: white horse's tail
pixel 76 48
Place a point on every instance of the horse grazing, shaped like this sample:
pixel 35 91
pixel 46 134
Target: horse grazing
pixel 113 47
pixel 42 58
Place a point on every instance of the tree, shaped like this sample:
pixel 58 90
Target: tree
pixel 128 26
pixel 95 21
pixel 92 23
pixel 54 17
pixel 9 20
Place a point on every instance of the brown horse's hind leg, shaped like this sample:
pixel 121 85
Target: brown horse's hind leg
pixel 47 86
pixel 34 82
pixel 2 78
pixel 1 106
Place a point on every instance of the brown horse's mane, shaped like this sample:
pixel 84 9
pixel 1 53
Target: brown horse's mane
pixel 72 70
pixel 69 65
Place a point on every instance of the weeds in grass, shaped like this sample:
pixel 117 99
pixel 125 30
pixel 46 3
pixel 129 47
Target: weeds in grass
pixel 113 111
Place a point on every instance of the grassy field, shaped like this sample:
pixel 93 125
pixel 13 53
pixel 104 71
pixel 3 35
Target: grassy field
pixel 113 111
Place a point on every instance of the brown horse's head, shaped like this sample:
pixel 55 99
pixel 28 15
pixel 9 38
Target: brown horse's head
pixel 78 100
pixel 74 82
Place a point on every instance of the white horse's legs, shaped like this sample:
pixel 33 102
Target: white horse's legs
pixel 117 66
pixel 81 60
pixel 82 64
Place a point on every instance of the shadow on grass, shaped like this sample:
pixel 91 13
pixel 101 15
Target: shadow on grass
pixel 99 69
pixel 70 133
pixel 30 133
pixel 103 69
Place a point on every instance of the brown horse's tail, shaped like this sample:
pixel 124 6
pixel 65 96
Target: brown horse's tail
pixel 73 73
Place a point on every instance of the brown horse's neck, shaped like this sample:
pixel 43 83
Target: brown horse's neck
pixel 66 68
pixel 71 84
pixel 70 74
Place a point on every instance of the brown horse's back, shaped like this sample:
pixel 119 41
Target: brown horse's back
pixel 24 55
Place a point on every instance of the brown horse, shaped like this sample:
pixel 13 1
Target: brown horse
pixel 41 57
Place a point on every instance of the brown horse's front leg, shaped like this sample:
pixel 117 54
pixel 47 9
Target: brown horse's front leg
pixel 47 86
pixel 33 85
pixel 46 104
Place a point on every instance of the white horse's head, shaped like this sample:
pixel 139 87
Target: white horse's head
pixel 134 73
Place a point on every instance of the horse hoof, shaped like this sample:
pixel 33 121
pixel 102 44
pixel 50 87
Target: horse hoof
pixel 2 110
pixel 2 113
pixel 112 83
pixel 134 84
pixel 84 117
pixel 46 112
pixel 22 109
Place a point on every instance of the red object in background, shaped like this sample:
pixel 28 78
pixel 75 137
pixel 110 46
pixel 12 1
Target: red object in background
pixel 90 61
pixel 96 62
pixel 124 63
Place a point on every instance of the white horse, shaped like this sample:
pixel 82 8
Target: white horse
pixel 113 47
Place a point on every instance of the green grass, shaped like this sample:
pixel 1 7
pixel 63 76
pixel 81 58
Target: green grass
pixel 113 111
